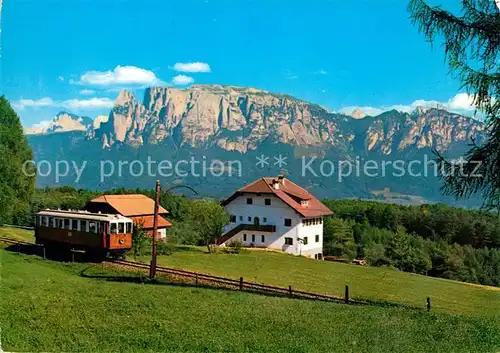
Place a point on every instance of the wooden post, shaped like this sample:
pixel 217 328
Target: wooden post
pixel 72 256
pixel 290 290
pixel 346 296
pixel 43 248
pixel 241 283
pixel 18 247
pixel 428 304
pixel 196 277
pixel 152 267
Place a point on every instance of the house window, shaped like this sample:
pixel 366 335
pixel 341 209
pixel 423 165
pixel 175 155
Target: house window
pixel 233 219
pixel 288 241
pixel 249 219
pixel 305 240
pixel 263 239
pixel 267 202
pixel 264 219
pixel 288 222
pixel 249 201
pixel 317 238
pixel 244 237
pixel 241 218
pixel 253 238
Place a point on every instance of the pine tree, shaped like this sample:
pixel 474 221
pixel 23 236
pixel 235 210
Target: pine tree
pixel 471 43
pixel 16 185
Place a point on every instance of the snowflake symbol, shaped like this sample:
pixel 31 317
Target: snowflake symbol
pixel 262 161
pixel 280 161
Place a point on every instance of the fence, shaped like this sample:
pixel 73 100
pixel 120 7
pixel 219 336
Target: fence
pixel 197 278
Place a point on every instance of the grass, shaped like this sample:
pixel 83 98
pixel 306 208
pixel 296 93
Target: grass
pixel 18 234
pixel 50 306
pixel 330 278
pixel 382 284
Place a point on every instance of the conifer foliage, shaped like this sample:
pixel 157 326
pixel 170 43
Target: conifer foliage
pixel 472 43
pixel 16 185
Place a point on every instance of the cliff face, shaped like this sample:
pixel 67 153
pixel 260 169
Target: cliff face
pixel 239 119
pixel 438 129
pixel 235 119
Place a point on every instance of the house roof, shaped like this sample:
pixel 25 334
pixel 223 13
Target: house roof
pixel 288 192
pixel 147 222
pixel 130 205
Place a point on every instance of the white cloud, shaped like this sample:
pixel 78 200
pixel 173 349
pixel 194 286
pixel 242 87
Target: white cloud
pixel 76 104
pixel 461 103
pixel 61 78
pixel 33 103
pixel 192 67
pixel 87 92
pixel 321 72
pixel 120 76
pixel 182 80
pixel 92 103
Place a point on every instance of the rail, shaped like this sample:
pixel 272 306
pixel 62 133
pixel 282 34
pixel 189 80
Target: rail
pixel 240 284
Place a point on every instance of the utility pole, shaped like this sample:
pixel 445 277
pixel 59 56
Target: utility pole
pixel 152 266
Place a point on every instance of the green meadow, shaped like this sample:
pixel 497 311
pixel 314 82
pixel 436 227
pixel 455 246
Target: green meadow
pixel 54 307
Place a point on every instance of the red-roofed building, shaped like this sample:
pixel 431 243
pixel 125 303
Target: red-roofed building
pixel 137 207
pixel 276 213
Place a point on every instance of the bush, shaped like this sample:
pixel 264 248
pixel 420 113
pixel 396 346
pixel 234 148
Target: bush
pixel 235 247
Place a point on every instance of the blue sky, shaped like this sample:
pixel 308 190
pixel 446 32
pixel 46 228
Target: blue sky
pixel 75 55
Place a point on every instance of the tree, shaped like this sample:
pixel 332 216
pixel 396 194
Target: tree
pixel 16 184
pixel 472 43
pixel 208 219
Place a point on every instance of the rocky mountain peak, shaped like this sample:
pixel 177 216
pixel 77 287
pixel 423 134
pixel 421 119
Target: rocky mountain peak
pixel 62 122
pixel 357 114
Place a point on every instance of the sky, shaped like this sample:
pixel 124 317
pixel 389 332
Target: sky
pixel 76 55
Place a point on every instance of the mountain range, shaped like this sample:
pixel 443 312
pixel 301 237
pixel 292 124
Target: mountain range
pixel 228 123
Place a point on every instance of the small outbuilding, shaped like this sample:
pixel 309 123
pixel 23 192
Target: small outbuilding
pixel 137 207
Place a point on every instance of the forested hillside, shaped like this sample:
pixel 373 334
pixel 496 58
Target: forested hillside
pixel 435 240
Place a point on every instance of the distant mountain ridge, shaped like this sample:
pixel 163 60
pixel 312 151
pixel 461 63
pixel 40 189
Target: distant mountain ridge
pixel 228 122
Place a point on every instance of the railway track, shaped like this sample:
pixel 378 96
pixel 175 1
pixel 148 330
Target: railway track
pixel 197 278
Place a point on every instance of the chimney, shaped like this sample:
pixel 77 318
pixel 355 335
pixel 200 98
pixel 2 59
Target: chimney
pixel 281 179
pixel 276 184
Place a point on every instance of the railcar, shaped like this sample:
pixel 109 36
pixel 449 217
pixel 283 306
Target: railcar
pixel 96 233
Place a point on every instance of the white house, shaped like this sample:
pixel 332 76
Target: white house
pixel 276 213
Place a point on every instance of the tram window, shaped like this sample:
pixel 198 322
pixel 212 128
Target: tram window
pixel 129 228
pixel 60 223
pixel 83 226
pixel 121 229
pixel 112 228
pixel 66 224
pixel 44 221
pixel 92 227
pixel 51 222
pixel 74 224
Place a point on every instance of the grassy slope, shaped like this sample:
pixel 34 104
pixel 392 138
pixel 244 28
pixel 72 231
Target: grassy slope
pixel 329 277
pixel 49 306
pixel 18 234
